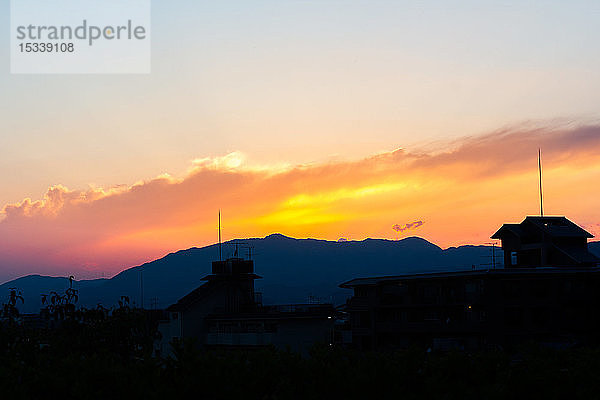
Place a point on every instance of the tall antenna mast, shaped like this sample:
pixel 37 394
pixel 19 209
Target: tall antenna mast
pixel 220 258
pixel 541 188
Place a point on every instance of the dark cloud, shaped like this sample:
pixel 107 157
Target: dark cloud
pixel 406 227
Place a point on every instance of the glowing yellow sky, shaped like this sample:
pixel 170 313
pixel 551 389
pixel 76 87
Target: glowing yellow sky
pixel 322 119
pixel 462 193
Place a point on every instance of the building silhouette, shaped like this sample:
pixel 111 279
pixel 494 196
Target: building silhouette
pixel 548 292
pixel 226 312
pixel 545 241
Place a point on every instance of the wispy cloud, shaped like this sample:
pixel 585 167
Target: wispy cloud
pixel 410 226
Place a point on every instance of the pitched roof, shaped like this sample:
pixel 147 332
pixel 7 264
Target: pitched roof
pixel 191 298
pixel 558 226
pixel 514 228
pixel 552 226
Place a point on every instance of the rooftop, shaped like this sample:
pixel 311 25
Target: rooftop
pixel 556 226
pixel 476 273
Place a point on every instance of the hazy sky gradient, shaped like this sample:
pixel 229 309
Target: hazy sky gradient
pixel 302 82
pixel 462 195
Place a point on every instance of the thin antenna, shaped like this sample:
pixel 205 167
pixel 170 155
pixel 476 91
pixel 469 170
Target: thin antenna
pixel 493 255
pixel 220 257
pixel 541 188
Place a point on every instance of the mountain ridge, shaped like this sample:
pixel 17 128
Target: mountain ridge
pixel 293 270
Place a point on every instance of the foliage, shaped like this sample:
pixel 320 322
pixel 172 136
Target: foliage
pixel 10 312
pixel 79 363
pixel 61 306
pixel 104 353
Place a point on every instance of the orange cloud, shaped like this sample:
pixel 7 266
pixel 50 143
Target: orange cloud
pixel 464 193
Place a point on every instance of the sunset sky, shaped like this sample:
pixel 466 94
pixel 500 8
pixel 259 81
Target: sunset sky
pixel 321 119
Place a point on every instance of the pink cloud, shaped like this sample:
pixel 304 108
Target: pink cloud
pixel 113 228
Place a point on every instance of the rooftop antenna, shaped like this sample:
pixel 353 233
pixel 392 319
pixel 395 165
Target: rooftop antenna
pixel 220 258
pixel 493 248
pixel 540 176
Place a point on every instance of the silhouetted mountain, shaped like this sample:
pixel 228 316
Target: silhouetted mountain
pixel 292 270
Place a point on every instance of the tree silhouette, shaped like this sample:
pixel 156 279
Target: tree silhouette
pixel 61 306
pixel 124 302
pixel 9 309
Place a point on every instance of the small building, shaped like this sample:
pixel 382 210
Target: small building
pixel 545 241
pixel 548 292
pixel 226 312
